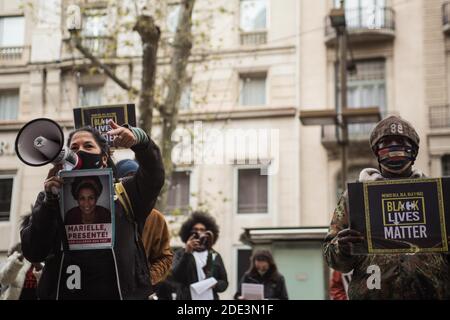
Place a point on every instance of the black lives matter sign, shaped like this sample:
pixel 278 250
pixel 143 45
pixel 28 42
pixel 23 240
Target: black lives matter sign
pixel 99 117
pixel 401 216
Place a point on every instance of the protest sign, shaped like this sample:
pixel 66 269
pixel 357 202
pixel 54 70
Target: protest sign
pixel 98 117
pixel 87 208
pixel 400 216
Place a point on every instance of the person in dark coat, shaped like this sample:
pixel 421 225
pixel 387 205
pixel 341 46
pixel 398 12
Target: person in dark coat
pixel 120 272
pixel 197 261
pixel 263 270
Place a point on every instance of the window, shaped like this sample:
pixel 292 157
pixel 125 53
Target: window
pixel 9 105
pixel 95 22
pixel 179 192
pixel 253 15
pixel 90 95
pixel 252 191
pixel 446 165
pixel 366 88
pixel 364 13
pixel 253 22
pixel 243 263
pixel 185 100
pixel 173 14
pixel 12 31
pixel 6 186
pixel 95 30
pixel 253 90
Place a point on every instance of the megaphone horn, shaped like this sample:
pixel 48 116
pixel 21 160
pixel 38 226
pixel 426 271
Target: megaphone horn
pixel 41 141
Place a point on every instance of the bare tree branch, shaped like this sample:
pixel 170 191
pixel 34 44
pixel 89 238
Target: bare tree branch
pixel 76 39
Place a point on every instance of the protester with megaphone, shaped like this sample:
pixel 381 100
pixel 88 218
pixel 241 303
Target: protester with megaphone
pixel 117 273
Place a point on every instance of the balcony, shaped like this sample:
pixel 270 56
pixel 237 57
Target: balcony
pixel 365 25
pixel 358 135
pixel 254 38
pixel 101 47
pixel 14 55
pixel 446 17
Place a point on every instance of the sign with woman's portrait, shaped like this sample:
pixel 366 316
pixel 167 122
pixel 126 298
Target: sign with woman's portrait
pixel 87 208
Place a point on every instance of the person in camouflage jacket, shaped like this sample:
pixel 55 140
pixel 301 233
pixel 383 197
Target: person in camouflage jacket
pixel 400 276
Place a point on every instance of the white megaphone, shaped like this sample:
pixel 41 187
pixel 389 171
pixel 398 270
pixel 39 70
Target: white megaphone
pixel 41 142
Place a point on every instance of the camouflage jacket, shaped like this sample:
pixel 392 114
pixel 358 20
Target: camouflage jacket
pixel 403 276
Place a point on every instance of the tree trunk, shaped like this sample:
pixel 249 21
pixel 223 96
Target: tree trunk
pixel 150 35
pixel 182 46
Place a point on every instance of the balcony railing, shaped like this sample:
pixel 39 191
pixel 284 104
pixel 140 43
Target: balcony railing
pixel 356 132
pixel 99 45
pixel 439 117
pixel 446 17
pixel 11 53
pixel 366 20
pixel 253 38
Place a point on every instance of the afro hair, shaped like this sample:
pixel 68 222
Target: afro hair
pixel 199 217
pixel 91 182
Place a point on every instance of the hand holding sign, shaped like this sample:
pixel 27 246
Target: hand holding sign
pixel 346 238
pixel 124 136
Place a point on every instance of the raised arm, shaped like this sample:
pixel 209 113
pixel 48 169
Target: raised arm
pixel 144 187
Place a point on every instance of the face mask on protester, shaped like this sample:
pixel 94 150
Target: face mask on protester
pixel 396 159
pixel 89 160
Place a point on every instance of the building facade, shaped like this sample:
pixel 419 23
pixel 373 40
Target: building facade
pixel 250 161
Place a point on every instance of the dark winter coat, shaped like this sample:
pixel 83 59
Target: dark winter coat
pixel 274 285
pixel 184 272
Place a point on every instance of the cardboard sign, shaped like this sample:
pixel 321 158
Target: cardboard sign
pixel 401 216
pixel 99 117
pixel 87 208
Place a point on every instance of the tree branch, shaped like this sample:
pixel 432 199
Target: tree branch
pixel 150 33
pixel 76 40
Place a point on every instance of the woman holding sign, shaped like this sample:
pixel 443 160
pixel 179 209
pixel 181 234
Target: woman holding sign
pixel 118 272
pixel 263 271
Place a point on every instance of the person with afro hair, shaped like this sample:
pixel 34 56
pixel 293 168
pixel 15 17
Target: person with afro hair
pixel 198 261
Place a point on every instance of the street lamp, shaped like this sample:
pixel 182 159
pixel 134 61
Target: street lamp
pixel 73 22
pixel 337 17
pixel 344 116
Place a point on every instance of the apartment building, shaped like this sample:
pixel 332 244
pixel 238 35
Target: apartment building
pixel 262 62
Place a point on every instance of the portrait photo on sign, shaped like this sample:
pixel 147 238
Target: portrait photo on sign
pixel 87 208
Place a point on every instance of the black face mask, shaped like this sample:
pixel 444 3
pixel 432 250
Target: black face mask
pixel 89 160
